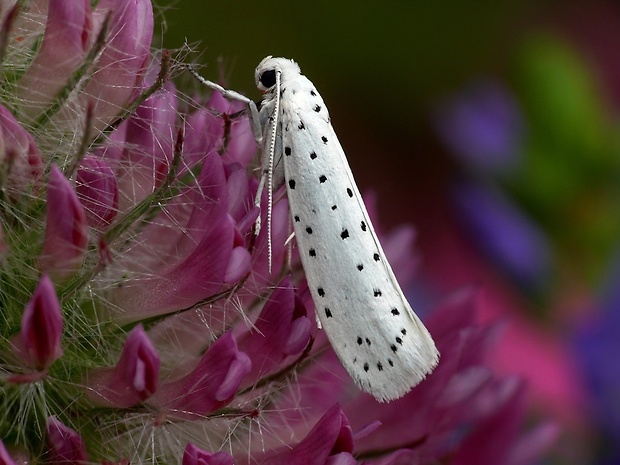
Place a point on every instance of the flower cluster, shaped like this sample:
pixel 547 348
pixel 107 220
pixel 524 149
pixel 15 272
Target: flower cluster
pixel 139 322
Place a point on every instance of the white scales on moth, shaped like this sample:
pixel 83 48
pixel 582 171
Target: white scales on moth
pixel 378 338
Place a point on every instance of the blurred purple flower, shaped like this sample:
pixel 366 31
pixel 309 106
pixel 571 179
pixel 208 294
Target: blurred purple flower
pixel 483 126
pixel 505 233
pixel 596 346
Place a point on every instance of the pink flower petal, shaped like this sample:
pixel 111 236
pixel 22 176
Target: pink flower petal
pixel 5 458
pixel 201 272
pixel 65 445
pixel 122 64
pixel 151 135
pixel 330 441
pixel 270 338
pixel 193 455
pixel 211 384
pixel 68 36
pixel 19 155
pixel 497 432
pixel 97 189
pixel 238 265
pixel 66 229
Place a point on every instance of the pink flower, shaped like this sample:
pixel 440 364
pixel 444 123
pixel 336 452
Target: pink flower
pixel 134 378
pixel 211 384
pixel 281 330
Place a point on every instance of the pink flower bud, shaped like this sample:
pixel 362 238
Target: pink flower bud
pixel 97 189
pixel 20 159
pixel 133 379
pixel 68 37
pixel 195 456
pixel 65 445
pixel 38 343
pixel 66 229
pixel 121 67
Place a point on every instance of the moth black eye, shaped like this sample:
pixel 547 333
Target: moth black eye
pixel 268 78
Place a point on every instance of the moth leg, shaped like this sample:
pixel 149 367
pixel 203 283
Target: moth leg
pixel 257 131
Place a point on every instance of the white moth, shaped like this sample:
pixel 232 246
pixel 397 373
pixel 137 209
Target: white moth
pixel 378 338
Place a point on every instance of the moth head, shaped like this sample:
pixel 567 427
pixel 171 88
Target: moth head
pixel 269 68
